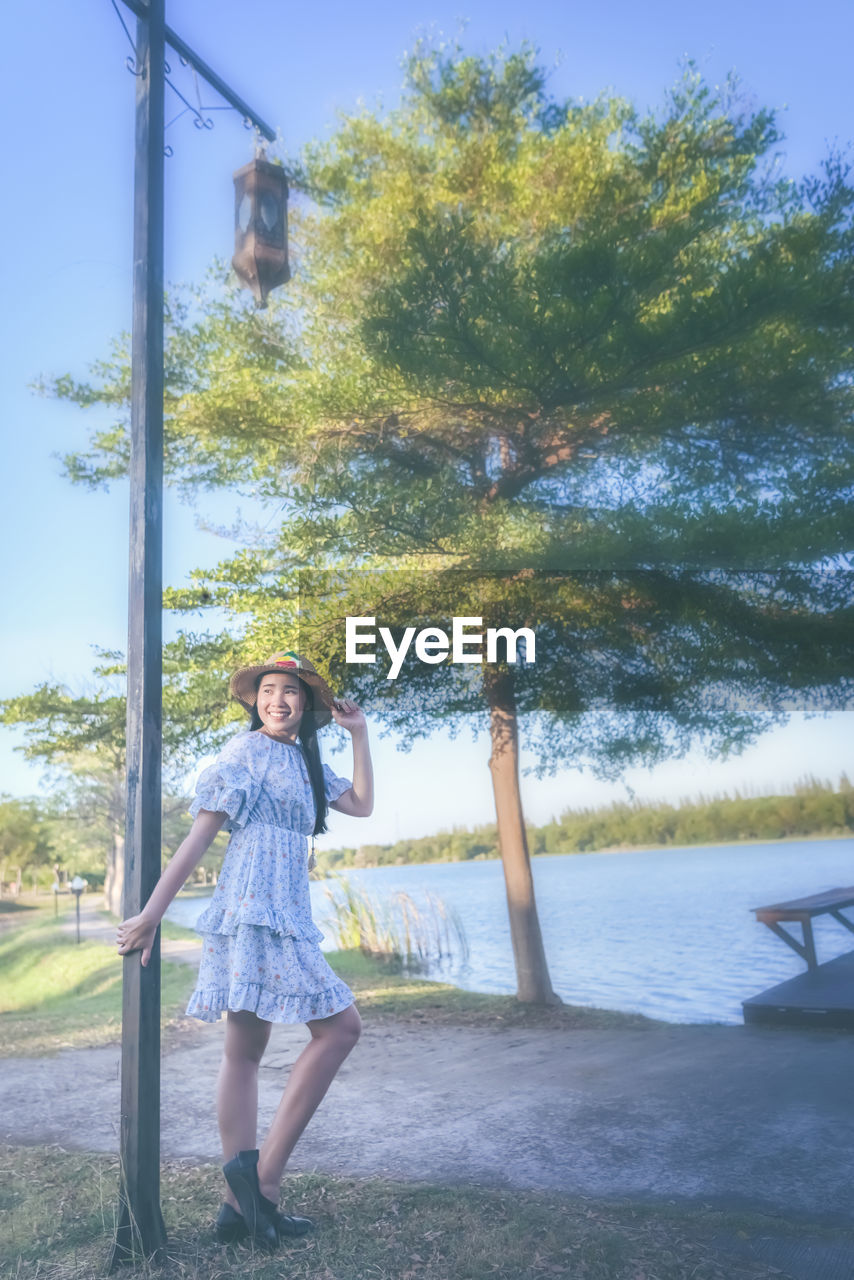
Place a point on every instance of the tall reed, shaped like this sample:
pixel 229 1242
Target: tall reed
pixel 399 930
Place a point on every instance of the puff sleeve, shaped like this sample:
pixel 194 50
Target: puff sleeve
pixel 334 785
pixel 233 782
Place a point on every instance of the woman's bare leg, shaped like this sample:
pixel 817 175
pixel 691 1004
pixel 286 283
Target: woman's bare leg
pixel 246 1037
pixel 311 1075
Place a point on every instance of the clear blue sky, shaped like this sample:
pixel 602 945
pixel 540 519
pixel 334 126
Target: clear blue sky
pixel 68 139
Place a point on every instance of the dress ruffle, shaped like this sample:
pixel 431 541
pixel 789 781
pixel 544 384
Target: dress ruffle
pixel 334 786
pixel 281 979
pixel 209 1005
pixel 232 784
pixel 219 796
pixel 283 924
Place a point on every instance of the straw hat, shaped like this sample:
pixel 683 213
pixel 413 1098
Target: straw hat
pixel 242 683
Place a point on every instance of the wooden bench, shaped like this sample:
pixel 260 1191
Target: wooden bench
pixel 801 911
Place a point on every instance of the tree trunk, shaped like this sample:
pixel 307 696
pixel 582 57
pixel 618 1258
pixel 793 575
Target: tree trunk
pixel 532 974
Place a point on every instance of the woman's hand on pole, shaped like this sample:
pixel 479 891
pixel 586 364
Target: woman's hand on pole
pixel 137 933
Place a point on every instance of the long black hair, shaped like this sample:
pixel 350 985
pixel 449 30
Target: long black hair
pixel 311 751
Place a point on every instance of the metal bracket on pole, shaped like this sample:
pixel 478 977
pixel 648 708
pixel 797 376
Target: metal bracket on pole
pixel 140 8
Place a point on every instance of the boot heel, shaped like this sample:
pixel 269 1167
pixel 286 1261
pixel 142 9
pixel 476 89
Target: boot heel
pixel 286 1224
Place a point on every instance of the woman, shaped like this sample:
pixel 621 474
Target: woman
pixel 261 962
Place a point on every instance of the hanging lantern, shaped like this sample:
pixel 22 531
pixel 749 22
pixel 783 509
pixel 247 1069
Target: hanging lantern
pixel 261 227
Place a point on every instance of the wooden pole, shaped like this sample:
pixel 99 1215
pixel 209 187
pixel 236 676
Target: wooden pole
pixel 140 1229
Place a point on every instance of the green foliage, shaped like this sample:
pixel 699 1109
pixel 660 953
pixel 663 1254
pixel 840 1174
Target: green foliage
pixel 86 732
pixel 530 334
pixel 621 322
pixel 459 845
pixel 75 825
pixel 25 837
pixel 629 667
pixel 814 809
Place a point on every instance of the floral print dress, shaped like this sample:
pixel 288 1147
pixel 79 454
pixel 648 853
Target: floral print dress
pixel 260 946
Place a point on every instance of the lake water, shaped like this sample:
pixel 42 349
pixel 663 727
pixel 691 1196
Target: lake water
pixel 668 933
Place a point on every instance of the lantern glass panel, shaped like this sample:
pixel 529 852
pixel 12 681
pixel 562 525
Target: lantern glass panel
pixel 244 213
pixel 269 210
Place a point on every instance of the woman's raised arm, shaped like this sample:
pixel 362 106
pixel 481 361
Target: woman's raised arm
pixel 358 802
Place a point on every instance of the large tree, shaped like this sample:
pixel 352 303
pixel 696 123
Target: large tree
pixel 526 334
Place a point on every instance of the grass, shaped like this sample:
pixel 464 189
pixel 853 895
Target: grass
pixel 14 907
pixel 59 1210
pixel 60 994
pixel 175 932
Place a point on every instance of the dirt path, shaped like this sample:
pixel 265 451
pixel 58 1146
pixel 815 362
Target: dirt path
pixel 736 1117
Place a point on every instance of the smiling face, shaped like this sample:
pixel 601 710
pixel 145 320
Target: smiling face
pixel 281 702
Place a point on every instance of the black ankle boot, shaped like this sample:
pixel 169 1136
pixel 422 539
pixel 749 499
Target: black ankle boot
pixel 241 1174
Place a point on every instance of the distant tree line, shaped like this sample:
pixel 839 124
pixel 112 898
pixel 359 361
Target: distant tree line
pixel 36 837
pixel 813 808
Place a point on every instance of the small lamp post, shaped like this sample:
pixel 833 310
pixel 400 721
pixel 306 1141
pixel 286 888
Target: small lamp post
pixel 55 887
pixel 261 227
pixel 78 884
